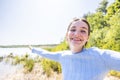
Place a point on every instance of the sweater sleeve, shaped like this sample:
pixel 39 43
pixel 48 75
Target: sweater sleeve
pixel 50 55
pixel 112 59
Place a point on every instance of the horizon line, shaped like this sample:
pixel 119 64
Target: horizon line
pixel 26 45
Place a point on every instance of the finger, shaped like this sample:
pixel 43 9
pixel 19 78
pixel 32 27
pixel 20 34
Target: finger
pixel 30 47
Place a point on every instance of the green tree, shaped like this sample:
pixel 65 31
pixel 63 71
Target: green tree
pixel 99 27
pixel 102 6
pixel 112 38
pixel 96 21
pixel 113 8
pixel 62 46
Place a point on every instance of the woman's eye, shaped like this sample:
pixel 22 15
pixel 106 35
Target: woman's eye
pixel 73 30
pixel 83 31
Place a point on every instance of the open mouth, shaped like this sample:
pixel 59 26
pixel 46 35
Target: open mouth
pixel 76 40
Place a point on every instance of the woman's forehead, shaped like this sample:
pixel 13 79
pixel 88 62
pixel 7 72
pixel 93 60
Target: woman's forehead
pixel 79 24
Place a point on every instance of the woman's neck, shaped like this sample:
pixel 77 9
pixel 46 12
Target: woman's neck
pixel 76 50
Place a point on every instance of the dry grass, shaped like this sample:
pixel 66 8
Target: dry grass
pixel 38 74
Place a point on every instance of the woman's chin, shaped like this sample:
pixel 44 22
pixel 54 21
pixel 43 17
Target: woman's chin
pixel 76 45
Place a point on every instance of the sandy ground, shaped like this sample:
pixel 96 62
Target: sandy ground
pixel 37 74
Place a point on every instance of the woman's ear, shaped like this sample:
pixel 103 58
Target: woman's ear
pixel 66 37
pixel 87 38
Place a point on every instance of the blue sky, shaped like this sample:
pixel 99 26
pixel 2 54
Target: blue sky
pixel 40 21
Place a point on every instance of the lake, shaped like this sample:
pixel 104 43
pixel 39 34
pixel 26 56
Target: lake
pixel 15 51
pixel 6 68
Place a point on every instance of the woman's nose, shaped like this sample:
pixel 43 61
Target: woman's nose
pixel 77 33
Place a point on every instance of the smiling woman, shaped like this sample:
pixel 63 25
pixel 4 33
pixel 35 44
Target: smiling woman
pixel 78 34
pixel 80 63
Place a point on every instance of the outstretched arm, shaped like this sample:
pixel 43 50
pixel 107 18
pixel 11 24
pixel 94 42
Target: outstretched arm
pixel 30 47
pixel 44 53
pixel 112 58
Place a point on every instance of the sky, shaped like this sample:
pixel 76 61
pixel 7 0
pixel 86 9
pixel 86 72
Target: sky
pixel 26 22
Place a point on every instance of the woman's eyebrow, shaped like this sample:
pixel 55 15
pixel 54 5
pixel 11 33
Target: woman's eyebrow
pixel 73 27
pixel 84 28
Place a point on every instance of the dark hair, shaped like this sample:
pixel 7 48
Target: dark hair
pixel 80 19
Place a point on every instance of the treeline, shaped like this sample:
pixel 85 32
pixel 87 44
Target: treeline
pixel 26 46
pixel 105 26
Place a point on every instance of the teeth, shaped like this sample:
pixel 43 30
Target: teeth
pixel 77 39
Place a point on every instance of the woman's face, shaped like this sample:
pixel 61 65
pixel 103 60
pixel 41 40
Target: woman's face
pixel 77 35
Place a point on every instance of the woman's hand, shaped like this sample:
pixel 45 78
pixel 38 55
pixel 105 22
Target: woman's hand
pixel 30 47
